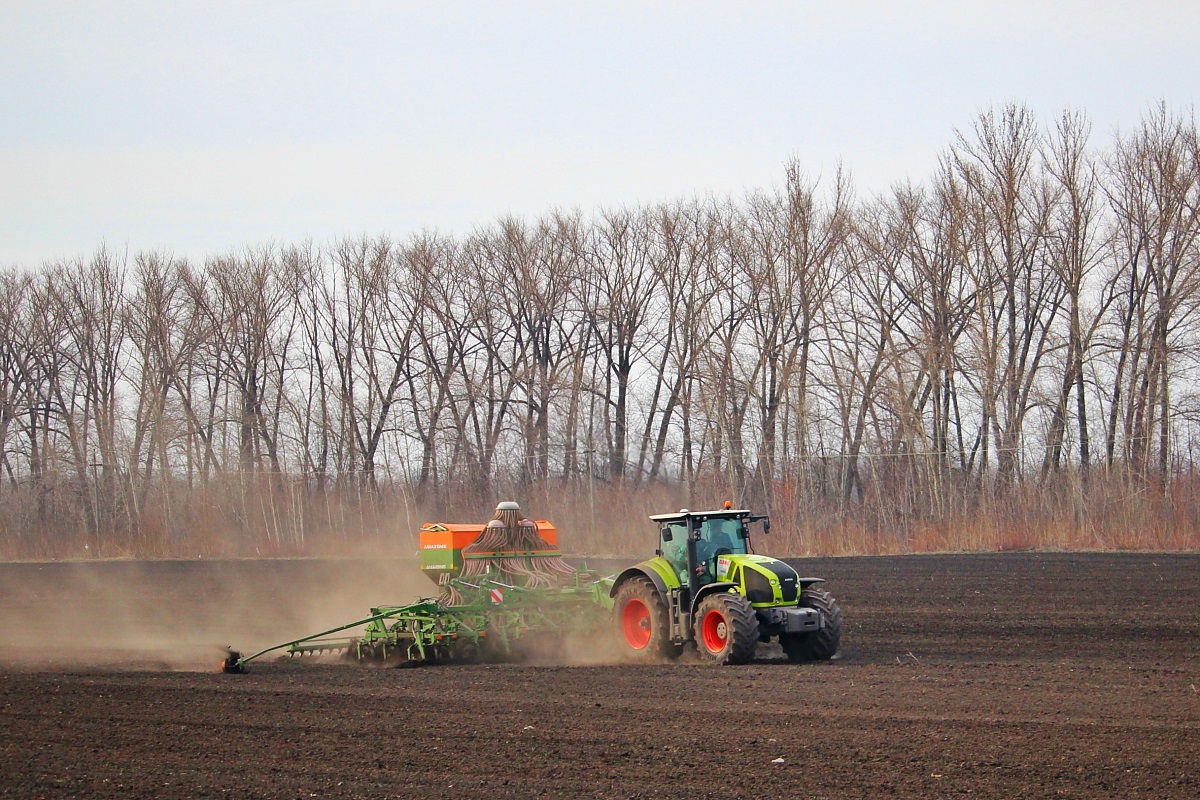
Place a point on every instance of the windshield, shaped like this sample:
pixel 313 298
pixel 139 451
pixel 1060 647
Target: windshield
pixel 720 534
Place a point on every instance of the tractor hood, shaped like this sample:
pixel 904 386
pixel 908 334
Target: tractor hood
pixel 766 580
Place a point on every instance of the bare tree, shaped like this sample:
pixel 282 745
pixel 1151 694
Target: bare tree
pixel 616 294
pixel 1077 249
pixel 16 376
pixel 1020 295
pixel 919 240
pixel 685 241
pixel 1155 195
pixel 165 332
pixel 441 322
pixel 533 271
pixel 372 334
pixel 798 241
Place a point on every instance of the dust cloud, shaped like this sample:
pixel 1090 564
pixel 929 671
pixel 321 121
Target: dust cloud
pixel 181 615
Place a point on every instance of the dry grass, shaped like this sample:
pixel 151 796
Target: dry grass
pixel 285 518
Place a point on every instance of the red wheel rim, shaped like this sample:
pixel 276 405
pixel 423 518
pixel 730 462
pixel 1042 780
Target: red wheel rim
pixel 714 631
pixel 635 624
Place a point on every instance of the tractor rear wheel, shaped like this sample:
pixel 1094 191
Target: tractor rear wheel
pixel 641 619
pixel 726 628
pixel 819 645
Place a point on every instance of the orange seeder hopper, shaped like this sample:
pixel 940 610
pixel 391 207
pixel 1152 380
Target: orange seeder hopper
pixel 442 543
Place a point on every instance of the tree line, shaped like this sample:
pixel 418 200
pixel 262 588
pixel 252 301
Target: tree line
pixel 1009 346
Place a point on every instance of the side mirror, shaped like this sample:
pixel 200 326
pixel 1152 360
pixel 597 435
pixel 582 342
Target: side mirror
pixel 766 525
pixel 666 533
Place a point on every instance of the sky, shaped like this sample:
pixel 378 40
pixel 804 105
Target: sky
pixel 202 128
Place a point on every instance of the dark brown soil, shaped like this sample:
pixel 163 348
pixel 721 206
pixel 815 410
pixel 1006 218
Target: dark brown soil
pixel 993 676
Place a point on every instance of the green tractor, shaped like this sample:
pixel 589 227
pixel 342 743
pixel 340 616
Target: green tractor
pixel 704 585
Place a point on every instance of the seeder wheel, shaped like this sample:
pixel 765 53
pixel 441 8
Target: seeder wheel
pixel 231 665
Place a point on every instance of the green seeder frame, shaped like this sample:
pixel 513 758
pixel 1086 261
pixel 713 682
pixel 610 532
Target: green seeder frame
pixel 485 625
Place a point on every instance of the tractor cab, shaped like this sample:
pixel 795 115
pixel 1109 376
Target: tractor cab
pixel 694 542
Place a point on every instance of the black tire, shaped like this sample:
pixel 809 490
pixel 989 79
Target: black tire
pixel 726 628
pixel 640 617
pixel 819 645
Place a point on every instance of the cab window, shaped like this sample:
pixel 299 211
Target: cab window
pixel 675 551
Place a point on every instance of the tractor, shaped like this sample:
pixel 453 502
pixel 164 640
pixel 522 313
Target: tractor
pixel 706 585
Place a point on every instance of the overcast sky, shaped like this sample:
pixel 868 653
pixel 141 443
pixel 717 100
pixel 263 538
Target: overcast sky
pixel 202 127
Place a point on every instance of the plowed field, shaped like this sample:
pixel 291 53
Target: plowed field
pixel 986 676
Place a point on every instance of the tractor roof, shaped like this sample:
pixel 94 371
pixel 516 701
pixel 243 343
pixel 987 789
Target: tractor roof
pixel 683 514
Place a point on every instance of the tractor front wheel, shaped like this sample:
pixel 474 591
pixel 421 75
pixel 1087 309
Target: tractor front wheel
pixel 726 628
pixel 641 619
pixel 819 645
